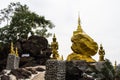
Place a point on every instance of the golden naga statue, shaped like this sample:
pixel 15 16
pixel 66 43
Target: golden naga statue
pixel 101 53
pixel 83 46
pixel 54 46
pixel 12 50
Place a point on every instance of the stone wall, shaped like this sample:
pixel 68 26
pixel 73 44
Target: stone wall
pixel 55 70
pixel 77 70
pixel 12 62
pixel 65 70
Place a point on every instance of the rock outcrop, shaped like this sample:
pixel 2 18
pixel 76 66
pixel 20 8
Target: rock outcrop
pixel 81 70
pixel 36 46
pixel 83 46
pixel 22 73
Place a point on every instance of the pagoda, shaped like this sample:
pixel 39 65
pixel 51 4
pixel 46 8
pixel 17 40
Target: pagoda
pixel 83 46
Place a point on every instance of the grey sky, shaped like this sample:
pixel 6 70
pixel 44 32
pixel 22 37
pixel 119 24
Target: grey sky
pixel 99 18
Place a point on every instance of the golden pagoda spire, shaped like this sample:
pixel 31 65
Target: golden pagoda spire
pixel 79 28
pixel 78 19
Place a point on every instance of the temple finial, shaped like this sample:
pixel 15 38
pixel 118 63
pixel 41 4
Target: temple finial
pixel 79 29
pixel 54 38
pixel 115 65
pixel 101 46
pixel 78 18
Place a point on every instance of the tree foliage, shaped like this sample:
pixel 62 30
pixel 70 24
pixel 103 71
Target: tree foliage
pixel 21 22
pixel 108 71
pixel 117 71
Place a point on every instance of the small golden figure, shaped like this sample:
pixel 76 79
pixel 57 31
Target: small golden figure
pixel 16 52
pixel 101 53
pixel 12 49
pixel 54 46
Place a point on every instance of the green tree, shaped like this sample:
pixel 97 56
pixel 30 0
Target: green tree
pixel 6 13
pixel 21 22
pixel 108 70
pixel 117 71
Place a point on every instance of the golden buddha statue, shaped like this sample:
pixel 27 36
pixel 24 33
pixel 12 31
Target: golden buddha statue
pixel 83 46
pixel 54 46
pixel 101 53
pixel 16 52
pixel 12 49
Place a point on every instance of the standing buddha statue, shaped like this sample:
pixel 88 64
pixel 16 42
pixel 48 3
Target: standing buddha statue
pixel 101 53
pixel 54 46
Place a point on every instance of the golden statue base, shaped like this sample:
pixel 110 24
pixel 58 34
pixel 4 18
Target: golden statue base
pixel 75 56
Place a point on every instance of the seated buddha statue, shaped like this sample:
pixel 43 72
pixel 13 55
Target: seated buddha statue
pixel 83 46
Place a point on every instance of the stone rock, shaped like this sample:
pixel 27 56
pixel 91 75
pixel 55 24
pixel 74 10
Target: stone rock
pixel 33 71
pixel 75 69
pixel 40 69
pixel 5 77
pixel 21 73
pixel 83 48
pixel 36 46
pixel 12 77
pixel 84 45
pixel 27 73
pixel 82 70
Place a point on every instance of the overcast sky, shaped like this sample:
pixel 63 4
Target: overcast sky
pixel 100 19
